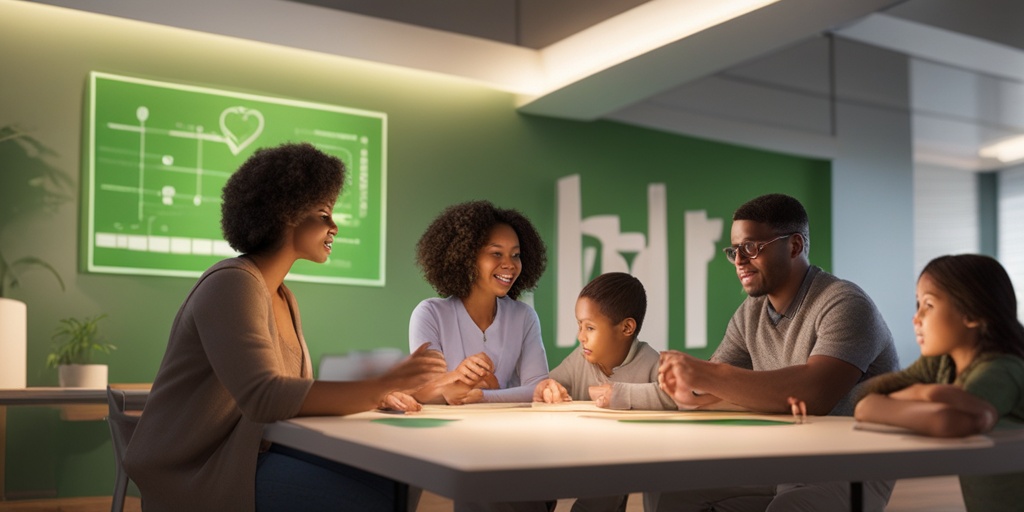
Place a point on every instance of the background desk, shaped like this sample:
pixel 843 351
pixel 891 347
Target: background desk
pixel 530 454
pixel 85 404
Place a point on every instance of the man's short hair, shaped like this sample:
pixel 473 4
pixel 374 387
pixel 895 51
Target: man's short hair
pixel 784 214
pixel 619 296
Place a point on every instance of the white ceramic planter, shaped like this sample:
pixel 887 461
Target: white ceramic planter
pixel 82 376
pixel 13 344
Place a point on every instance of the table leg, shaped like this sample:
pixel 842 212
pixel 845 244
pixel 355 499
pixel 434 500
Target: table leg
pixel 401 497
pixel 856 496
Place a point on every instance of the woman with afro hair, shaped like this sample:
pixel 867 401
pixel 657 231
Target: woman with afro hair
pixel 236 360
pixel 479 259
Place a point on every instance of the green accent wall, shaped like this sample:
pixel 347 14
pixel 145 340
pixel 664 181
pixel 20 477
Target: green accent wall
pixel 448 141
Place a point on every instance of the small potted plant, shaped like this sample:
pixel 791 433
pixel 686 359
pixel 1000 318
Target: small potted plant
pixel 74 342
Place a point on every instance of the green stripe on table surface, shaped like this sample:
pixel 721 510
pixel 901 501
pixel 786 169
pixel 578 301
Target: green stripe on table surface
pixel 413 422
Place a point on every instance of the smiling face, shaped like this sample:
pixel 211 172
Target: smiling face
pixel 497 263
pixel 770 270
pixel 940 327
pixel 313 237
pixel 603 342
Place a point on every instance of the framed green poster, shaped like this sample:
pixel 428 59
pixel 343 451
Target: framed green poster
pixel 158 155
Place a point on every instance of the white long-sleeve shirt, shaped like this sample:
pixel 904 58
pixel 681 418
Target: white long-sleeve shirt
pixel 513 342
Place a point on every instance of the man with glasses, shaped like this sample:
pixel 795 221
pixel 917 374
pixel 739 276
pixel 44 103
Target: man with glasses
pixel 802 333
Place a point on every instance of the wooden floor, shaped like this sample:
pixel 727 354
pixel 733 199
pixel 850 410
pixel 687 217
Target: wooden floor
pixel 430 502
pixel 940 494
pixel 86 504
pixel 936 494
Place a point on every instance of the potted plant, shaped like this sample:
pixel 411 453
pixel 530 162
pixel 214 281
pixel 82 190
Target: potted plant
pixel 74 342
pixel 27 184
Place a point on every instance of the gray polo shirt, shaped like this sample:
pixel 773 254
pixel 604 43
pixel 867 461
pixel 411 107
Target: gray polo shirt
pixel 828 317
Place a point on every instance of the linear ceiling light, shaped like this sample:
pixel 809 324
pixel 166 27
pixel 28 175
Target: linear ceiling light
pixel 1007 150
pixel 637 31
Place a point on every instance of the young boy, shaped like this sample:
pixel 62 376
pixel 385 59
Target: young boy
pixel 610 366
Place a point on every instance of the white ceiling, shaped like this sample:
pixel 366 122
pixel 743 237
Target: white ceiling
pixel 738 81
pixel 967 69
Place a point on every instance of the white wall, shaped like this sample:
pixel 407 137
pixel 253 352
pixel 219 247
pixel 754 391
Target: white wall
pixel 946 213
pixel 872 183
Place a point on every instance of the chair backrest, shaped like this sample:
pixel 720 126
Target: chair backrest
pixel 122 425
pixel 120 402
pixel 359 364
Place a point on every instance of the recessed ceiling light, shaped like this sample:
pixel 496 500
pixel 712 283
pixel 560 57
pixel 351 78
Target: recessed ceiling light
pixel 1006 150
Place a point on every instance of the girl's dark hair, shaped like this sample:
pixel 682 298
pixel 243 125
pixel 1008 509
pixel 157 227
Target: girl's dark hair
pixel 272 190
pixel 447 251
pixel 619 296
pixel 981 290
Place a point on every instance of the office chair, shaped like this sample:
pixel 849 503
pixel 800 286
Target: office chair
pixel 122 426
pixel 367 364
pixel 358 364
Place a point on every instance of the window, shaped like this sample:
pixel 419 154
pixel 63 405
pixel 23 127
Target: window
pixel 1010 233
pixel 946 219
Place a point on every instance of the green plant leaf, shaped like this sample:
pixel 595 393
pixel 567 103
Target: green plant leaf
pixel 27 261
pixel 28 183
pixel 75 340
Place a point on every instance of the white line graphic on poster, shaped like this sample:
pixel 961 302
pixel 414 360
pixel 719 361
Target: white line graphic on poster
pixel 241 126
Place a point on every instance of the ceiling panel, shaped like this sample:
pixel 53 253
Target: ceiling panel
pixel 527 23
pixel 503 43
pixel 999 21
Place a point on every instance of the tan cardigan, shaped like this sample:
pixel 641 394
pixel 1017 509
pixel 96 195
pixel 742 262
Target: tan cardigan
pixel 224 375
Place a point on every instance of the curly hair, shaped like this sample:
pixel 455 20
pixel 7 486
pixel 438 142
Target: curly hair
pixel 272 190
pixel 447 251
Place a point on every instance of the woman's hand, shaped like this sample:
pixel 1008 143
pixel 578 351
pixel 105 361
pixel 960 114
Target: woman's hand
pixel 459 393
pixel 488 382
pixel 462 385
pixel 550 391
pixel 474 369
pixel 348 397
pixel 420 367
pixel 399 401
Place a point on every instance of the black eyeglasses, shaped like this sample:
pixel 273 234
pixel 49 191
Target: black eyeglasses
pixel 750 249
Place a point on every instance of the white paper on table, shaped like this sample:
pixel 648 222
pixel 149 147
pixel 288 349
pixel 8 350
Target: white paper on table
pixel 478 407
pixel 881 427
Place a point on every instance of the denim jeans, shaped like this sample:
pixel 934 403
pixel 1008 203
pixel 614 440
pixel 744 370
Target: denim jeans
pixel 288 479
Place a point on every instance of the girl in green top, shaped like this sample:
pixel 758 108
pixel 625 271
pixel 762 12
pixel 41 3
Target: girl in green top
pixel 970 376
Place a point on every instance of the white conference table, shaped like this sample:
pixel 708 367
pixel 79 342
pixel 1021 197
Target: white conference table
pixel 488 453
